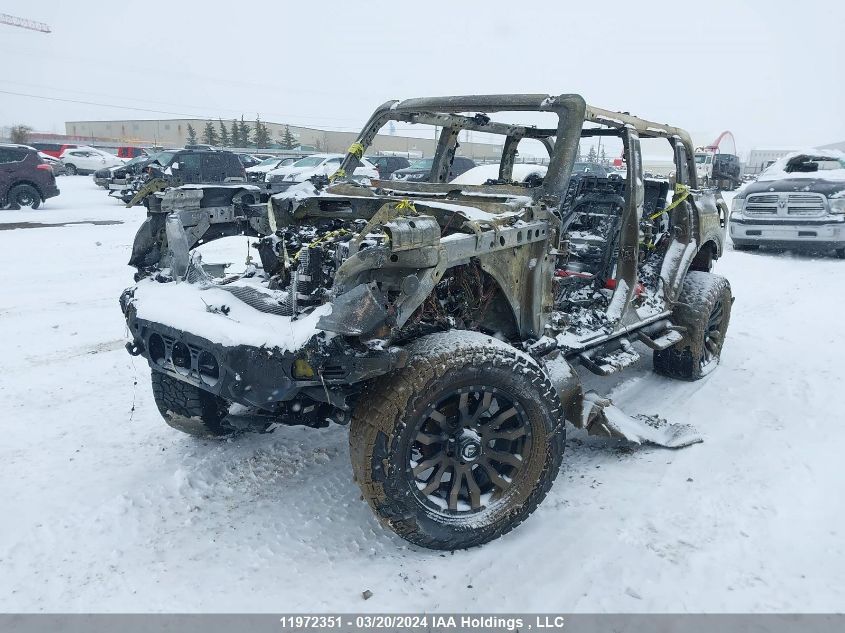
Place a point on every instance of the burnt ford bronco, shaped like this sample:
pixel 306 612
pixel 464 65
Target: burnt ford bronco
pixel 441 322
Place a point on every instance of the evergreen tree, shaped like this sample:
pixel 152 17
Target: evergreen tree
pixel 288 139
pixel 245 133
pixel 591 155
pixel 603 157
pixel 235 134
pixel 192 135
pixel 209 135
pixel 262 134
pixel 225 140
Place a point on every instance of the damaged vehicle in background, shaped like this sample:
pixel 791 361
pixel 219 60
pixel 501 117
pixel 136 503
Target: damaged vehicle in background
pixel 796 203
pixel 172 168
pixel 419 169
pixel 119 174
pixel 441 322
pixel 56 165
pixel 317 166
pixel 259 172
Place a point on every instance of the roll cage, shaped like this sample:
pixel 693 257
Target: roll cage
pixel 454 114
pixel 450 114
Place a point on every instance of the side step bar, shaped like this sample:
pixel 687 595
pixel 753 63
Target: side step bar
pixel 619 353
pixel 604 362
pixel 664 341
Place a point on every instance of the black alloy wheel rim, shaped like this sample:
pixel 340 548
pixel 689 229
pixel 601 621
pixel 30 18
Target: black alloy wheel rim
pixel 25 199
pixel 713 335
pixel 468 449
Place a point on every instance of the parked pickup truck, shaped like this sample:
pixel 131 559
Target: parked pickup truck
pixel 797 203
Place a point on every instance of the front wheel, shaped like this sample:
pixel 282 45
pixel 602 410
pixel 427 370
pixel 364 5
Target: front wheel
pixel 459 446
pixel 703 309
pixel 188 408
pixel 71 169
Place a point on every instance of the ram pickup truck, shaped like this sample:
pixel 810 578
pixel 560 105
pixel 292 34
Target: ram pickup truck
pixel 796 203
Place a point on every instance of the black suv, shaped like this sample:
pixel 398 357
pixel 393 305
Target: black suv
pixel 25 179
pixel 420 169
pixel 197 166
pixel 181 167
pixel 386 165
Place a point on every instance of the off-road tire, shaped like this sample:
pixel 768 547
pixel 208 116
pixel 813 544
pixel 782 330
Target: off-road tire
pixel 71 169
pixel 188 408
pixel 383 426
pixel 700 295
pixel 21 196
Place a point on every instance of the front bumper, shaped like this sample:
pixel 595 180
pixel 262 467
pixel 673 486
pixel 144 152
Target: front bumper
pixel 255 377
pixel 803 233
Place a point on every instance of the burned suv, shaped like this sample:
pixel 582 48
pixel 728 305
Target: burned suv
pixel 441 322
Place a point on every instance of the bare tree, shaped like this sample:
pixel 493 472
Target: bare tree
pixel 20 134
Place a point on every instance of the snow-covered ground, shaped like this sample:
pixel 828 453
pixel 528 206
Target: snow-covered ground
pixel 105 508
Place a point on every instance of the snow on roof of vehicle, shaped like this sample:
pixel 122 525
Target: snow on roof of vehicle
pixel 788 166
pixel 481 174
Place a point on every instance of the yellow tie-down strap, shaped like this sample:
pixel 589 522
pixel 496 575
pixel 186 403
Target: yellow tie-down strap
pixel 683 191
pixel 357 150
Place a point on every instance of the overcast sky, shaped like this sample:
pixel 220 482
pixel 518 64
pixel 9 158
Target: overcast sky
pixel 772 72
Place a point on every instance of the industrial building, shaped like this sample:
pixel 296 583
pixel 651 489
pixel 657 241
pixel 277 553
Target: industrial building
pixel 174 133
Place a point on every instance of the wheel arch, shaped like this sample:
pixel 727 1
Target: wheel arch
pixel 706 255
pixel 32 184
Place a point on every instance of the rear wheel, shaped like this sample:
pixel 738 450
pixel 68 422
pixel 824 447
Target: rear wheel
pixel 24 196
pixel 704 310
pixel 461 445
pixel 188 408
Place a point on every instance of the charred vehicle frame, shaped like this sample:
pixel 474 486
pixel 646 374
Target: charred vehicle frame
pixel 441 321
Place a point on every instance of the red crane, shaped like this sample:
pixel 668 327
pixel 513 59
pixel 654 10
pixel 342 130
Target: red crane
pixel 714 146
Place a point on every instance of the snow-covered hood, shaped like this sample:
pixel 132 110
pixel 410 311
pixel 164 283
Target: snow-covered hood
pixel 192 308
pixel 779 176
pixel 829 188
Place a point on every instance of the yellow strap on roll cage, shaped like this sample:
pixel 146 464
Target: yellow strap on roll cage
pixel 684 192
pixel 357 150
pixel 405 204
